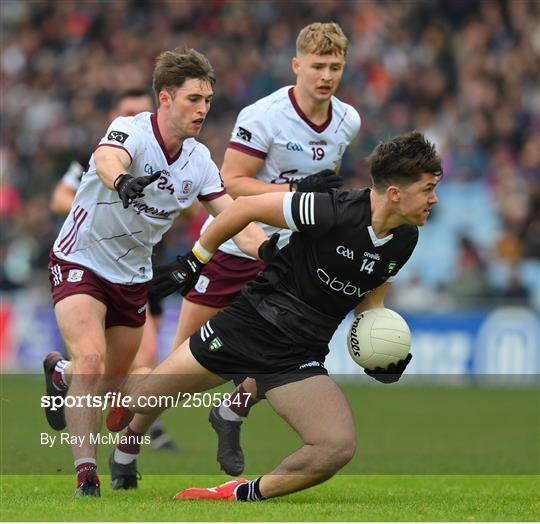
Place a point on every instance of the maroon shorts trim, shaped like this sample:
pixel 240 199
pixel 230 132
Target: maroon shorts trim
pixel 126 305
pixel 222 279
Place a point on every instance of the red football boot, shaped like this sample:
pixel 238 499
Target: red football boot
pixel 225 491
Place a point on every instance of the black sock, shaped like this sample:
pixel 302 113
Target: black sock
pixel 249 491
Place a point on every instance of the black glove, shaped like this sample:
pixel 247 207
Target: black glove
pixel 392 373
pixel 269 249
pixel 180 275
pixel 320 182
pixel 130 188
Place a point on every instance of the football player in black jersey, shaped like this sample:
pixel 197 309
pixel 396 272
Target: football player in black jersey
pixel 346 248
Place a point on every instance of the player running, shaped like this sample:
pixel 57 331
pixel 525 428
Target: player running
pixel 129 102
pixel 277 145
pixel 144 172
pixel 295 305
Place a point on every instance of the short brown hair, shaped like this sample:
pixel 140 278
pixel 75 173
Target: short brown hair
pixel 402 160
pixel 173 68
pixel 322 39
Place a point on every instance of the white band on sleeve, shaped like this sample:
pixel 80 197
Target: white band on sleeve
pixel 287 211
pixel 202 254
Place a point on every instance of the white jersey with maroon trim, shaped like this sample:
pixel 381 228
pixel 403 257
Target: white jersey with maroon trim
pixel 114 242
pixel 275 129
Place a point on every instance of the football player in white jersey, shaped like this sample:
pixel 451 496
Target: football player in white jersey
pixel 144 172
pixel 277 145
pixel 129 102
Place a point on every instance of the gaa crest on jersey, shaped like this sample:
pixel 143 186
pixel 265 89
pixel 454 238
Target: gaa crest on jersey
pixel 117 136
pixel 391 266
pixel 75 275
pixel 187 185
pixel 244 134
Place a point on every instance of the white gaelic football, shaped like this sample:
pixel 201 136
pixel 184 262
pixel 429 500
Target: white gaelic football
pixel 378 337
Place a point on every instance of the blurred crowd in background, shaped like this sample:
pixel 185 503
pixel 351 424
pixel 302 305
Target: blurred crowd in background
pixel 464 72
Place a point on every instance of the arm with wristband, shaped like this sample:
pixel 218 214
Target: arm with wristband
pixel 182 274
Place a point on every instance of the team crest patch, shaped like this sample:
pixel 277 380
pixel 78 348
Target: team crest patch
pixel 202 284
pixel 391 266
pixel 75 275
pixel 215 344
pixel 186 186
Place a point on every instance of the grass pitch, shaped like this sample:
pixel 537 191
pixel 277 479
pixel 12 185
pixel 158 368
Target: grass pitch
pixel 343 498
pixel 424 454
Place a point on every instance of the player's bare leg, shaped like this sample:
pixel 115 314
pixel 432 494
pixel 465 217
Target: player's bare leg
pixel 179 373
pixel 81 320
pixel 122 463
pixel 317 410
pixel 147 356
pixel 192 317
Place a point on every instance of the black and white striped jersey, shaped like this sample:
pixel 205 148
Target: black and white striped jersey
pixel 333 260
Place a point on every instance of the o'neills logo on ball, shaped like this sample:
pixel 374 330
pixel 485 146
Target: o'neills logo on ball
pixel 355 344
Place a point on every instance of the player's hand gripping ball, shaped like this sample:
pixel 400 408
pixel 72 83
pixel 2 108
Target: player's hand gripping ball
pixel 379 340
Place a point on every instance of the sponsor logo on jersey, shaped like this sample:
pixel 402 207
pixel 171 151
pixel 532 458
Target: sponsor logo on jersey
pixel 293 146
pixel 318 143
pixel 345 252
pixel 141 309
pixel 75 275
pixel 117 136
pixel 141 207
pixel 244 134
pixel 187 185
pixel 347 288
pixel 341 149
pixel 202 284
pixel 391 266
pixel 312 364
pixel 373 256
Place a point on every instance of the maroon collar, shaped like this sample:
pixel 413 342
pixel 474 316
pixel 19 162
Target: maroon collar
pixel 301 114
pixel 159 138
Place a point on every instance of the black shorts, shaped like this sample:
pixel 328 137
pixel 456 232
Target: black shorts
pixel 239 343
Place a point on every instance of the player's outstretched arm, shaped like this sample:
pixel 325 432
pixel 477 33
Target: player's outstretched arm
pixel 182 274
pixel 266 208
pixel 250 238
pixel 239 169
pixel 238 172
pixel 111 162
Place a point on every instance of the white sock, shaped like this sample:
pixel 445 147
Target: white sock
pixel 228 414
pixel 84 460
pixel 123 458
